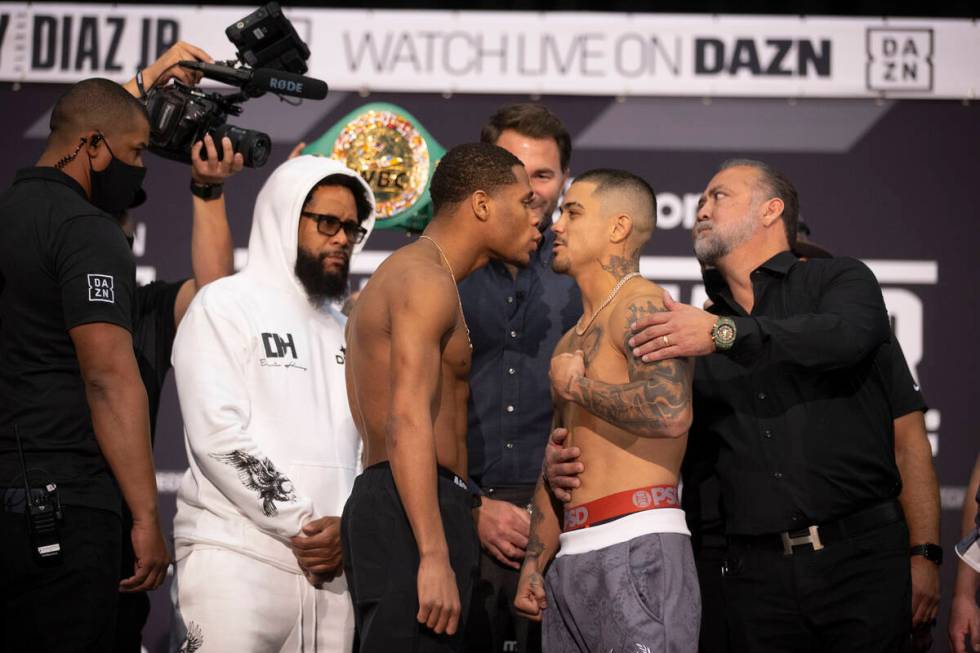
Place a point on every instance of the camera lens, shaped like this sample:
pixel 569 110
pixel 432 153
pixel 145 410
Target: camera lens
pixel 254 146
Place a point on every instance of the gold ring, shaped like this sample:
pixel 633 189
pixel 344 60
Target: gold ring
pixel 666 342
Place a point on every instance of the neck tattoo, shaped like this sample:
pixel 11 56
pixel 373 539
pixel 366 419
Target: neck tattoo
pixel 453 275
pixel 580 330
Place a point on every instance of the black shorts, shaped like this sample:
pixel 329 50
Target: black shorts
pixel 381 562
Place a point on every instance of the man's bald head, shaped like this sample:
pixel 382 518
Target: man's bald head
pixel 623 192
pixel 95 105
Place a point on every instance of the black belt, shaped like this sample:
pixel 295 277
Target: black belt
pixel 818 536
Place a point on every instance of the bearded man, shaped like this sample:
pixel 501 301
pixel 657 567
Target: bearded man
pixel 259 364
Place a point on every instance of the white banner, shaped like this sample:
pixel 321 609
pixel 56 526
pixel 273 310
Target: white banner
pixel 521 52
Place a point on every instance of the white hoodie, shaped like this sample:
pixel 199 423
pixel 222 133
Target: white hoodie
pixel 260 377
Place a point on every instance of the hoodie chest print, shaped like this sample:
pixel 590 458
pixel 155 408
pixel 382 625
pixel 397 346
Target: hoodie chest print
pixel 280 351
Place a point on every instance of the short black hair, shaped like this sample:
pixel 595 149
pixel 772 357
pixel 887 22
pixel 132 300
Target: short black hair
pixel 357 189
pixel 775 184
pixel 95 104
pixel 621 181
pixel 533 121
pixel 468 168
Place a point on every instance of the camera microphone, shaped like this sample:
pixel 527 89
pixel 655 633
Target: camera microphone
pixel 284 83
pixel 256 81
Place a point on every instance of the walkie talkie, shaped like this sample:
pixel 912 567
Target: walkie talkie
pixel 43 514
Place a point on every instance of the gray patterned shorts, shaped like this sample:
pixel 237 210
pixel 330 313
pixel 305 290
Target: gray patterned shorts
pixel 638 596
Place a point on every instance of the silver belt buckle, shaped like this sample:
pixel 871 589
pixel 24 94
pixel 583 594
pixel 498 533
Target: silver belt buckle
pixel 813 538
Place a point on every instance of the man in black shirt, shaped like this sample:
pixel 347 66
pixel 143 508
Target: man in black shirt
pixel 702 502
pixel 70 393
pixel 817 555
pixel 919 498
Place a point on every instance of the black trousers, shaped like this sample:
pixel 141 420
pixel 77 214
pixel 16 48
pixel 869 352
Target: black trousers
pixel 853 595
pixel 493 625
pixel 708 559
pixel 381 562
pixel 67 607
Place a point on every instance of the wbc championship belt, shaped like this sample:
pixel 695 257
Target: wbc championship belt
pixel 394 154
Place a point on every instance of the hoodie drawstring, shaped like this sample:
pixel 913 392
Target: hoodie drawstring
pixel 306 591
pixel 316 622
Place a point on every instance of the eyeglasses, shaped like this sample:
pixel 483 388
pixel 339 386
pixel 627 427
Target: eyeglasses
pixel 329 225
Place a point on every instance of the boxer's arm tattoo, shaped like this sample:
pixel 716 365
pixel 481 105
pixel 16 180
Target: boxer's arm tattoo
pixel 543 533
pixel 657 400
pixel 535 547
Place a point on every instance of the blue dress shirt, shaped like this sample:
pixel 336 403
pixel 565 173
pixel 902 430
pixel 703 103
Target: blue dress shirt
pixel 514 324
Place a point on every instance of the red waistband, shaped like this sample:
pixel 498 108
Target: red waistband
pixel 619 504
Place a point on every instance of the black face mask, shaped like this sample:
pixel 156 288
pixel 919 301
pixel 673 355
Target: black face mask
pixel 114 188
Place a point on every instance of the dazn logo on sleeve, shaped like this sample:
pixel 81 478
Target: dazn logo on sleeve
pixel 100 288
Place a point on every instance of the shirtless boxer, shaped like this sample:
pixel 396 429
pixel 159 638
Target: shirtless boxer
pixel 411 552
pixel 624 576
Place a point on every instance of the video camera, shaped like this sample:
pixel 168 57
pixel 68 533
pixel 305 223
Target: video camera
pixel 271 58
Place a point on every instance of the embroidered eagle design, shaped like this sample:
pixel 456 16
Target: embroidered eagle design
pixel 194 640
pixel 260 476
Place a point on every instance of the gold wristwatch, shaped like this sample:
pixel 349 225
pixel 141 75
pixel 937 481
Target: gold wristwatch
pixel 723 333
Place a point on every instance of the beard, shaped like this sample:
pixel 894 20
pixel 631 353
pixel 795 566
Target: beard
pixel 718 243
pixel 318 284
pixel 560 265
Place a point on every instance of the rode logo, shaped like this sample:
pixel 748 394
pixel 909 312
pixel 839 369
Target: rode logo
pixel 576 517
pixel 285 85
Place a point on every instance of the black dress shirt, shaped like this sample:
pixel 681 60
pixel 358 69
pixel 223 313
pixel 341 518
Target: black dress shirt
pixel 514 324
pixel 798 405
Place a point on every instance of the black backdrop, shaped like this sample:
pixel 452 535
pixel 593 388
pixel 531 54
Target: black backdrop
pixel 891 182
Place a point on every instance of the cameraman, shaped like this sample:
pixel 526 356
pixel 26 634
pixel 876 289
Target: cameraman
pixel 161 304
pixel 71 398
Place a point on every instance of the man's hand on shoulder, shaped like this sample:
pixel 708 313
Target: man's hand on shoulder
pixel 503 530
pixel 680 331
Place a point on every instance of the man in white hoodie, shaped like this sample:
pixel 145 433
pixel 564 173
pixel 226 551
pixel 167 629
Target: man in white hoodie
pixel 259 364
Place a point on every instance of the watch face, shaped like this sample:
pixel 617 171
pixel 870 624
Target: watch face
pixel 723 334
pixel 934 553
